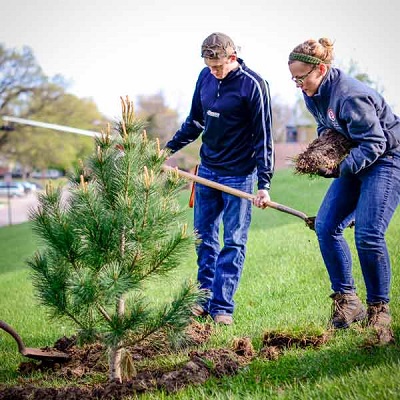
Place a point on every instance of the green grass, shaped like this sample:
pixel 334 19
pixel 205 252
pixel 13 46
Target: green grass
pixel 284 287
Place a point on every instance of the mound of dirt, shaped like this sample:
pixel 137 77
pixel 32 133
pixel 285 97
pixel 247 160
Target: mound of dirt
pixel 244 348
pixel 275 342
pixel 282 340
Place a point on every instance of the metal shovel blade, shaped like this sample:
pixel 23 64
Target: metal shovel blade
pixel 37 354
pixel 49 355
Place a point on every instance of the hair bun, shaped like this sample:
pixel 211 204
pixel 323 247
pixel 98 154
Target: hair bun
pixel 327 43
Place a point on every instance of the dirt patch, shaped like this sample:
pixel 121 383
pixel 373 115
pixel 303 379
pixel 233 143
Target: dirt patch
pixel 282 340
pixel 200 367
pixel 91 359
pixel 327 151
pixel 275 342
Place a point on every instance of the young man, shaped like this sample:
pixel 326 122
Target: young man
pixel 231 109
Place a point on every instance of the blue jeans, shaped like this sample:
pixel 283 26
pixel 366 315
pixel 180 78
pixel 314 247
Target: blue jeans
pixel 219 270
pixel 370 198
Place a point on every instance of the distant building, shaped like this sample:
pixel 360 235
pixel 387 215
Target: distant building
pixel 299 133
pixel 300 130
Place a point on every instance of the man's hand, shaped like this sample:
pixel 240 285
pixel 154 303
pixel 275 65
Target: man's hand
pixel 165 152
pixel 262 199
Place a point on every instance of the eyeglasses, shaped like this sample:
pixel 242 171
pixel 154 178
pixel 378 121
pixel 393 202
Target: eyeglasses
pixel 299 80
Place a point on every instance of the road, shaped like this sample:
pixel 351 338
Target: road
pixel 17 209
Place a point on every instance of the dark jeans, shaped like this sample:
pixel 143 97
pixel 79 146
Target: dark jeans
pixel 370 198
pixel 219 270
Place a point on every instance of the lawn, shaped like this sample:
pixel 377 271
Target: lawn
pixel 284 288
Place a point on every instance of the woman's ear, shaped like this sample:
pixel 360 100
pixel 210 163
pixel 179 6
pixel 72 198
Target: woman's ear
pixel 323 69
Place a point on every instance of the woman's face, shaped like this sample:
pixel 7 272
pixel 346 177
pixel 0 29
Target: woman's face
pixel 307 77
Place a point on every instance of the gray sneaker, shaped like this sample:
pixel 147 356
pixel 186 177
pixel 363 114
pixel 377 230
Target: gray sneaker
pixel 380 320
pixel 346 309
pixel 223 319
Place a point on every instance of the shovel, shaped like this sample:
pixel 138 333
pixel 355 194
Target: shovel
pixel 223 188
pixel 37 354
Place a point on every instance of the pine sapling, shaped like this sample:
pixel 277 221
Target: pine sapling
pixel 116 225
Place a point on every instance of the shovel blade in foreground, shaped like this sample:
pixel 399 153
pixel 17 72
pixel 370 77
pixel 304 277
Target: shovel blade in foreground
pixel 45 355
pixel 37 354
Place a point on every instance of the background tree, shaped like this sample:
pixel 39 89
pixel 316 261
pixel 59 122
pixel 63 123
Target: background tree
pixel 26 92
pixel 161 120
pixel 40 148
pixel 353 69
pixel 119 226
pixel 20 78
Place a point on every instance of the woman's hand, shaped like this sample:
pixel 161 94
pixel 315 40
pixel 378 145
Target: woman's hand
pixel 329 172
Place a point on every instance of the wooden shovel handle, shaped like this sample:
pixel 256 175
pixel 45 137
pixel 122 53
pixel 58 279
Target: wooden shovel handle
pixel 235 192
pixel 14 334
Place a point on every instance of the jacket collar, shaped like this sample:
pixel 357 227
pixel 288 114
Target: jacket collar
pixel 326 85
pixel 237 71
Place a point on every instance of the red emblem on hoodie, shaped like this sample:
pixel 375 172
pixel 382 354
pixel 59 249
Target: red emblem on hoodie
pixel 331 114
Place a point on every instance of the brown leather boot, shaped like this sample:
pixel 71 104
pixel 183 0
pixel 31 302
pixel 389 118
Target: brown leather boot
pixel 380 320
pixel 346 309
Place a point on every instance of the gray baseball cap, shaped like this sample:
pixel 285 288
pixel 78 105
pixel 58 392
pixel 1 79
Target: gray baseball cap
pixel 217 45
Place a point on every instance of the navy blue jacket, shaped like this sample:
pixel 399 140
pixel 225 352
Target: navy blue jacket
pixel 234 115
pixel 359 113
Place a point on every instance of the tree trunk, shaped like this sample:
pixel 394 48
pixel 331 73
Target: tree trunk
pixel 115 364
pixel 115 373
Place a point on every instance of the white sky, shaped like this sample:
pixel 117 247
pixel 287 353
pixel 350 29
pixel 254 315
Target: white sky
pixel 113 48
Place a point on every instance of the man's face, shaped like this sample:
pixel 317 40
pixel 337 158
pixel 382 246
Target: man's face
pixel 220 67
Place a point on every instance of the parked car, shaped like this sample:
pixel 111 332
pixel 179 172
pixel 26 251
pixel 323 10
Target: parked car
pixel 29 187
pixel 46 174
pixel 13 189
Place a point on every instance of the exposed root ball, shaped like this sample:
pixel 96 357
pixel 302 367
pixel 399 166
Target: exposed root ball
pixel 327 151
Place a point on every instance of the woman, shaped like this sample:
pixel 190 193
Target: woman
pixel 366 188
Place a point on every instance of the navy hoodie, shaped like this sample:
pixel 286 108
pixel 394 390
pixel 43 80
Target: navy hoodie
pixel 234 117
pixel 359 113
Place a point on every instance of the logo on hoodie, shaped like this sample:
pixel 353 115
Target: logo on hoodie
pixel 331 115
pixel 213 114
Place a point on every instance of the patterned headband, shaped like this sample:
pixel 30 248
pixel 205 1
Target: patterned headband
pixel 305 58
